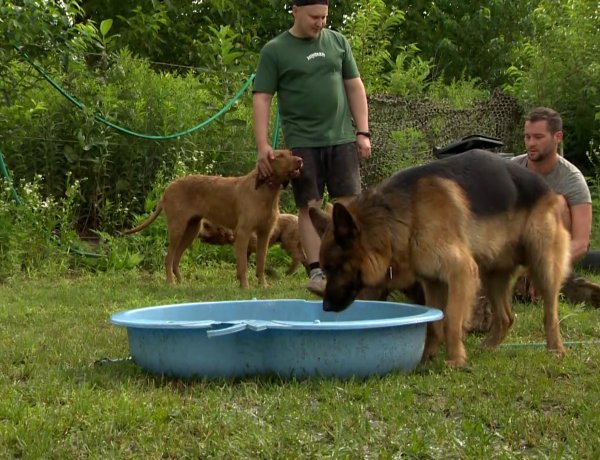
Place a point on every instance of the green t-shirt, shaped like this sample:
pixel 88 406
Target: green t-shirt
pixel 565 179
pixel 308 76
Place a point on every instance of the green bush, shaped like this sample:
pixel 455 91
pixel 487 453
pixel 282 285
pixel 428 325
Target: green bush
pixel 48 136
pixel 36 233
pixel 559 68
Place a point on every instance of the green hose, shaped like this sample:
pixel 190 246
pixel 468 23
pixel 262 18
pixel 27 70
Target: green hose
pixel 5 174
pixel 101 119
pixel 122 130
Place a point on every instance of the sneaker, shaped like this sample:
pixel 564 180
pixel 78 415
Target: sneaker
pixel 317 282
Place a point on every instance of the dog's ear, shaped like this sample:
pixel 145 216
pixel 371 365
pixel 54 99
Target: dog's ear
pixel 345 230
pixel 319 219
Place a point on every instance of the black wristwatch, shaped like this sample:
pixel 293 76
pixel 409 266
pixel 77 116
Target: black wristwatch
pixel 367 134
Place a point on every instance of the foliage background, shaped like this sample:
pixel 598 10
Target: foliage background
pixel 161 67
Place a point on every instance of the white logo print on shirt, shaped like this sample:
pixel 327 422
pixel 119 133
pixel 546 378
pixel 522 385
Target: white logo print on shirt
pixel 315 55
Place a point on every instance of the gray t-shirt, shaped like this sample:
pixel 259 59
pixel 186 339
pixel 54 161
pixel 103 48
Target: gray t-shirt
pixel 565 179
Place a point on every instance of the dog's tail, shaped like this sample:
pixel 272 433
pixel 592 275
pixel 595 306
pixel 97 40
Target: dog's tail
pixel 147 222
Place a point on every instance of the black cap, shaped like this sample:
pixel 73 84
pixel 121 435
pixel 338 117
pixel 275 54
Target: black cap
pixel 309 2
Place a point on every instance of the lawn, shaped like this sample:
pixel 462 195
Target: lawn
pixel 68 391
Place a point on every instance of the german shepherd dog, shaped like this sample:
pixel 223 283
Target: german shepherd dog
pixel 449 224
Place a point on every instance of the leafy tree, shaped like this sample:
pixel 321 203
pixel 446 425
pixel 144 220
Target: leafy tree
pixel 468 37
pixel 370 27
pixel 108 53
pixel 558 67
pixel 177 31
pixel 40 28
pixel 40 25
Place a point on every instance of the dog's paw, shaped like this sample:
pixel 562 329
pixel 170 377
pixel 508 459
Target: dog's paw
pixel 558 350
pixel 458 362
pixel 493 339
pixel 428 354
pixel 456 356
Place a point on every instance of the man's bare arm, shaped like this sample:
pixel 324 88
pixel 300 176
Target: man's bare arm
pixel 261 107
pixel 581 229
pixel 357 99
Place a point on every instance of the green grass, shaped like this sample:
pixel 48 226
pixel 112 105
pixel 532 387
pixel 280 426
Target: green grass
pixel 61 398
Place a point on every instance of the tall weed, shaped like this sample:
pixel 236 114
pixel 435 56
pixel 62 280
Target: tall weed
pixel 460 94
pixel 593 156
pixel 37 234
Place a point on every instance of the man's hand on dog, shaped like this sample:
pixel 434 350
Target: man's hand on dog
pixel 263 162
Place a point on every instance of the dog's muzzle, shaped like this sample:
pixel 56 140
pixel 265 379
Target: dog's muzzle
pixel 299 164
pixel 339 295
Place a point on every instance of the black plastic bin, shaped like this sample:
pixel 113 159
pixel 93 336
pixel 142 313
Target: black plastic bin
pixel 474 141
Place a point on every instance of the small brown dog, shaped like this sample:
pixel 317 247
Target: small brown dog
pixel 247 204
pixel 285 232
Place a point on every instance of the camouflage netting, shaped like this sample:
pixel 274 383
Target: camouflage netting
pixel 405 131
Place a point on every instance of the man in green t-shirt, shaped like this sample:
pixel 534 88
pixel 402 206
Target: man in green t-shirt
pixel 324 116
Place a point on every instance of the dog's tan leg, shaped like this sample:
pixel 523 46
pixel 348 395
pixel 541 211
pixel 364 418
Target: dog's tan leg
pixel 296 255
pixel 547 278
pixel 442 251
pixel 547 282
pixel 435 336
pixel 185 241
pixel 548 261
pixel 175 236
pixel 436 294
pixel 554 341
pixel 497 288
pixel 463 284
pixel 240 246
pixel 169 264
pixel 294 249
pixel 262 242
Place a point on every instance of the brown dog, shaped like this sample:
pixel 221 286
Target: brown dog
pixel 247 204
pixel 447 224
pixel 285 232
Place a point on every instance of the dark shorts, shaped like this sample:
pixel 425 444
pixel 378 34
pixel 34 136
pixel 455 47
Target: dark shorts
pixel 336 167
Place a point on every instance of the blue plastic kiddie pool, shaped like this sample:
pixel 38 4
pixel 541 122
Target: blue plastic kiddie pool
pixel 288 338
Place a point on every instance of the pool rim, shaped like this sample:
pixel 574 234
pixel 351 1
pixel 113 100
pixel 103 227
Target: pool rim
pixel 127 318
